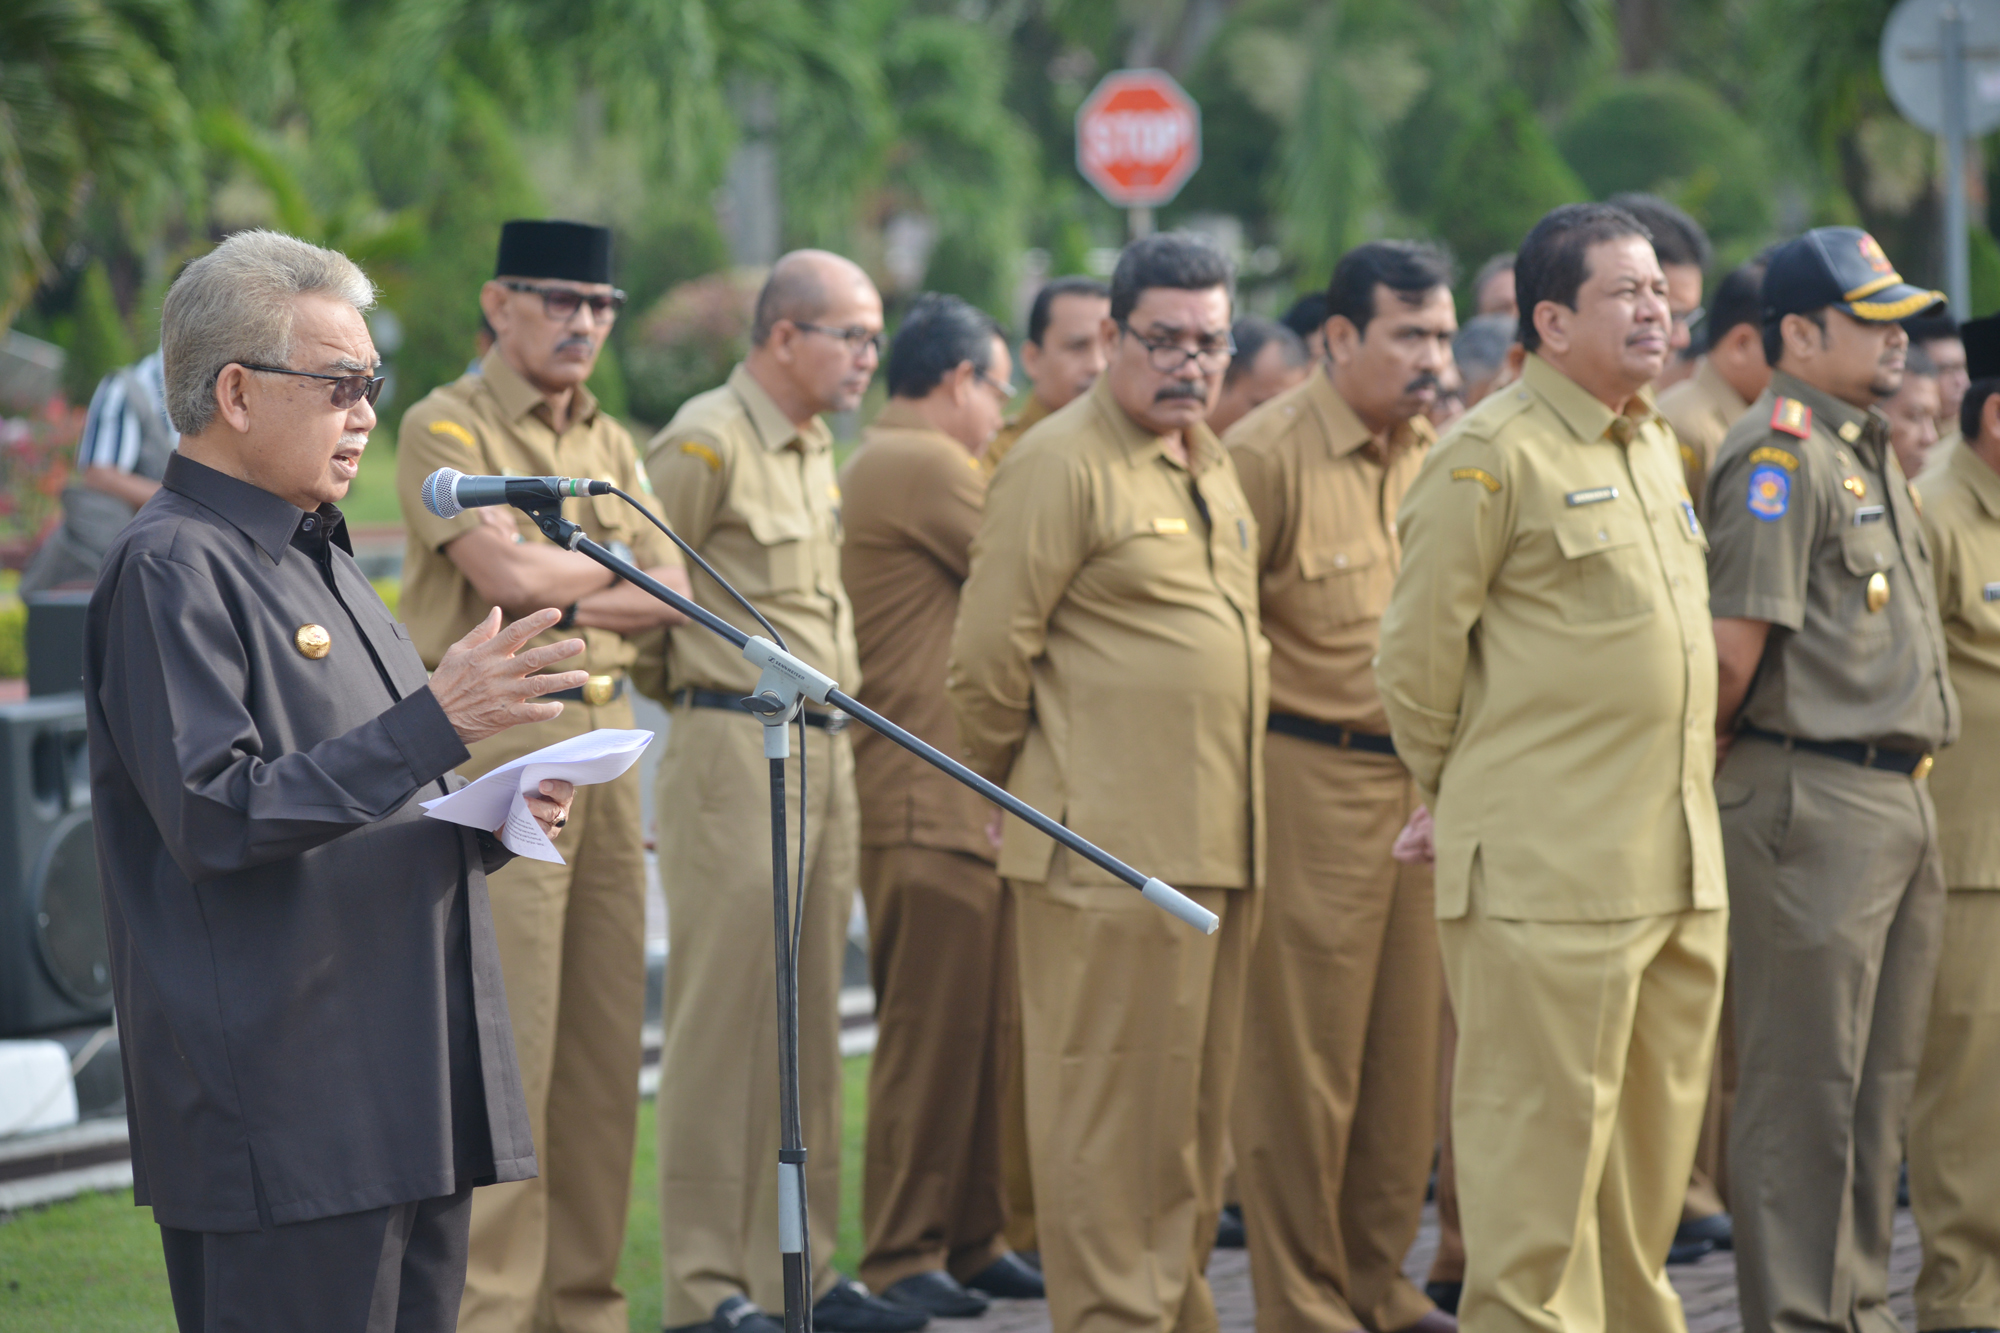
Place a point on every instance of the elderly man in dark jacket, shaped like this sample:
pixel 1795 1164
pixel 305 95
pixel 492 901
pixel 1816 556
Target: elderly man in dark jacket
pixel 317 1056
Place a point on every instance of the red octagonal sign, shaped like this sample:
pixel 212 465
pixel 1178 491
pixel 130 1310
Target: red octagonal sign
pixel 1138 137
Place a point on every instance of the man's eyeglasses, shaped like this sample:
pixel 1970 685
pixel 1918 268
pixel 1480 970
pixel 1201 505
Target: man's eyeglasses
pixel 1210 353
pixel 347 389
pixel 562 303
pixel 1001 388
pixel 858 338
pixel 1691 319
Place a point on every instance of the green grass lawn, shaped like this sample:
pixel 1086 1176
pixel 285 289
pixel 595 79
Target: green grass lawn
pixel 94 1263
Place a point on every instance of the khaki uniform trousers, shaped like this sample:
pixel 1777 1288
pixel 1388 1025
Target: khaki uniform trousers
pixel 1583 1066
pixel 941 951
pixel 1836 900
pixel 1954 1138
pixel 1334 1123
pixel 1016 1175
pixel 718 1102
pixel 1130 1024
pixel 544 1252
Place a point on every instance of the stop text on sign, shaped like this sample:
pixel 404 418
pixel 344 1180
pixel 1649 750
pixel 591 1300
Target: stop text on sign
pixel 1138 138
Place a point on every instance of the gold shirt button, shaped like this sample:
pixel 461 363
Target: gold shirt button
pixel 313 641
pixel 1878 591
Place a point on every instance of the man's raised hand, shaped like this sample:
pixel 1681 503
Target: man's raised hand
pixel 485 684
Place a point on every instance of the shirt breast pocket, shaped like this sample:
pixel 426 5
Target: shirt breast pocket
pixel 1605 572
pixel 1344 584
pixel 1867 550
pixel 783 562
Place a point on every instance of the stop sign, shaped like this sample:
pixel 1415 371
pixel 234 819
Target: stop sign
pixel 1138 137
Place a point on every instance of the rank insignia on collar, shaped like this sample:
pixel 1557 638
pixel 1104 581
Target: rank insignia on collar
pixel 1916 497
pixel 1856 486
pixel 1849 431
pixel 1792 417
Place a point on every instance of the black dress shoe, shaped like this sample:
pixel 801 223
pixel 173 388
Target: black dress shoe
pixel 1716 1229
pixel 938 1294
pixel 735 1315
pixel 848 1308
pixel 1229 1233
pixel 1444 1295
pixel 1011 1277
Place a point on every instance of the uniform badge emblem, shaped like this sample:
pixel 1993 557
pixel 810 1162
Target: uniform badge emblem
pixel 1792 417
pixel 1855 486
pixel 313 641
pixel 1849 431
pixel 1878 591
pixel 1478 474
pixel 1770 493
pixel 1595 496
pixel 1771 453
pixel 455 431
pixel 1170 527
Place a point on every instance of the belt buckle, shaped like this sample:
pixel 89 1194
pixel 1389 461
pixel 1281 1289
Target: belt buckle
pixel 1923 768
pixel 597 691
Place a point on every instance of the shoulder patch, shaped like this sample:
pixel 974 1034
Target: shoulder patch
pixel 454 431
pixel 1792 417
pixel 1771 453
pixel 1770 492
pixel 1478 474
pixel 696 449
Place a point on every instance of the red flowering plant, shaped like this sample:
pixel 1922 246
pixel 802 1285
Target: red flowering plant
pixel 36 457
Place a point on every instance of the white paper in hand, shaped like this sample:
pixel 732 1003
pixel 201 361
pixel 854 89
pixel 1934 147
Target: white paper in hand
pixel 499 800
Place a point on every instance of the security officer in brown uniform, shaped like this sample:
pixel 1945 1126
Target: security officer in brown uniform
pixel 1108 665
pixel 1954 1152
pixel 1062 356
pixel 1727 378
pixel 1833 698
pixel 572 936
pixel 745 475
pixel 1546 668
pixel 1335 1112
pixel 940 927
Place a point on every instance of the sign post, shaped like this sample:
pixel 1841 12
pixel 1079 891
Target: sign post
pixel 1941 63
pixel 1138 139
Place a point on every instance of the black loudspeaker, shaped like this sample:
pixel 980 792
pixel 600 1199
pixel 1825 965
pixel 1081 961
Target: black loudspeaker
pixel 55 641
pixel 55 970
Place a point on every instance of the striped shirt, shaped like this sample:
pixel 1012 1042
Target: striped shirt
pixel 111 432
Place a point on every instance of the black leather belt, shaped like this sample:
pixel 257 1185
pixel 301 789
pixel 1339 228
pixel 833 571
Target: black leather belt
pixel 597 691
pixel 1907 762
pixel 1330 733
pixel 832 721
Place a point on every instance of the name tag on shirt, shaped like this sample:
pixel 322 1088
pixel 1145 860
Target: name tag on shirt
pixel 1687 515
pixel 1870 514
pixel 1170 526
pixel 1591 497
pixel 1991 592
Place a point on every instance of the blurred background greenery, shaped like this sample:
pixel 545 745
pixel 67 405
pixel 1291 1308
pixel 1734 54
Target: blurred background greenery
pixel 930 139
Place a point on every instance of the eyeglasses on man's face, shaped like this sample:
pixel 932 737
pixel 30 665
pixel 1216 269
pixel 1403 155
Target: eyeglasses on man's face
pixel 1209 351
pixel 858 337
pixel 562 303
pixel 347 389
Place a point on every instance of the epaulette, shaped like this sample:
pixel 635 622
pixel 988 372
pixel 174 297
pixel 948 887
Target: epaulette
pixel 1792 417
pixel 1492 412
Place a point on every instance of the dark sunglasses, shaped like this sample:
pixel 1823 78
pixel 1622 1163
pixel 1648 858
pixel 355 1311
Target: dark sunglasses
pixel 562 303
pixel 347 389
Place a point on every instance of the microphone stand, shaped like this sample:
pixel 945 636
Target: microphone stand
pixel 783 686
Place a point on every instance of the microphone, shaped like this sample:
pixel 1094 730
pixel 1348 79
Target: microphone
pixel 449 492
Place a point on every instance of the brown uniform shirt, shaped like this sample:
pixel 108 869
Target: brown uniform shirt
pixel 1548 663
pixel 1701 409
pixel 1010 434
pixel 1326 511
pixel 1962 520
pixel 1803 516
pixel 496 424
pixel 911 499
pixel 758 498
pixel 1107 664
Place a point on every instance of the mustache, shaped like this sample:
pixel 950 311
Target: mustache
pixel 577 341
pixel 1182 389
pixel 1426 380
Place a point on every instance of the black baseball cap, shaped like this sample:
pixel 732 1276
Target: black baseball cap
pixel 531 248
pixel 1982 347
pixel 1845 268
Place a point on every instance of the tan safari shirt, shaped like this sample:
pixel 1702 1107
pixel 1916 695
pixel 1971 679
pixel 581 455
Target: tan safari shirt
pixel 1962 521
pixel 1807 510
pixel 494 423
pixel 1107 665
pixel 757 497
pixel 1326 509
pixel 1010 434
pixel 1548 664
pixel 1701 409
pixel 911 498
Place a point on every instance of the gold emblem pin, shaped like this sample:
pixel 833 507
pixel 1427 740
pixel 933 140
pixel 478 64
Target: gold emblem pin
pixel 1850 431
pixel 313 641
pixel 1923 768
pixel 597 691
pixel 1878 591
pixel 1858 486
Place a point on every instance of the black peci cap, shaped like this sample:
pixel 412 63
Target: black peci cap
pixel 1842 267
pixel 1982 347
pixel 575 251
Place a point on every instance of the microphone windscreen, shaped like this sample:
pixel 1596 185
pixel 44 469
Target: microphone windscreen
pixel 441 493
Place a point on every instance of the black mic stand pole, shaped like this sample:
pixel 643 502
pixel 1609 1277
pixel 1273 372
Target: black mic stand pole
pixel 782 688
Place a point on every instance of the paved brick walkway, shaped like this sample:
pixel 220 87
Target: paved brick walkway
pixel 1708 1289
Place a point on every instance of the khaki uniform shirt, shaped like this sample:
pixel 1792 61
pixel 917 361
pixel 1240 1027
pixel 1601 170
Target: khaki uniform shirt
pixel 911 499
pixel 1010 434
pixel 1701 409
pixel 1548 664
pixel 1326 511
pixel 496 424
pixel 1803 518
pixel 1107 664
pixel 1962 520
pixel 757 497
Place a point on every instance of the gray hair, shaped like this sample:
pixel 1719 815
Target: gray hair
pixel 235 304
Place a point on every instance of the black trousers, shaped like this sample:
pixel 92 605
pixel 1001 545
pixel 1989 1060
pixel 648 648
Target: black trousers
pixel 399 1269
